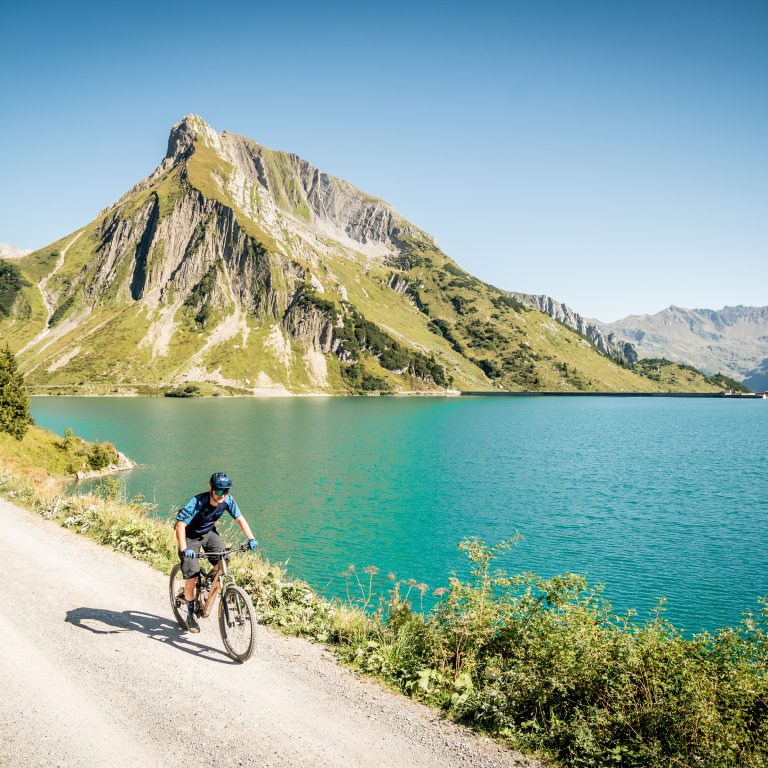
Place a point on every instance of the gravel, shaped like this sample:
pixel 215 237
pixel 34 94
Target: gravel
pixel 95 671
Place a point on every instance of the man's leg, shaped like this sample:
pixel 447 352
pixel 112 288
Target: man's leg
pixel 212 542
pixel 190 567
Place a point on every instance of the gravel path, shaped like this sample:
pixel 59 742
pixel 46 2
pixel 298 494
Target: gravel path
pixel 94 671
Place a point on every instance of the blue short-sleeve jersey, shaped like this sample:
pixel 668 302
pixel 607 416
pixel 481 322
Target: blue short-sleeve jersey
pixel 200 516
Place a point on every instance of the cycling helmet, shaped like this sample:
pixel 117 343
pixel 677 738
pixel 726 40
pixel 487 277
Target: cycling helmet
pixel 220 480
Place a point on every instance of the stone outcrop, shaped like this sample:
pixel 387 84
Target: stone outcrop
pixel 310 325
pixel 123 464
pixel 607 343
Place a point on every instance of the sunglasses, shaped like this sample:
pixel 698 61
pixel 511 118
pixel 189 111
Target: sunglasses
pixel 221 491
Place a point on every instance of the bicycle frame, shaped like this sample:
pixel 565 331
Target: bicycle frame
pixel 218 575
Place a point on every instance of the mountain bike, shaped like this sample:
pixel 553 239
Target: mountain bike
pixel 237 618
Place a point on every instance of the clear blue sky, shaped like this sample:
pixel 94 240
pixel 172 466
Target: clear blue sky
pixel 611 154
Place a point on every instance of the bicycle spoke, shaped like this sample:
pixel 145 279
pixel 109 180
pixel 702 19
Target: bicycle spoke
pixel 236 623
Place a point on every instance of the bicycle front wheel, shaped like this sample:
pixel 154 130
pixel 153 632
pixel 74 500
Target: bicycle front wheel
pixel 237 623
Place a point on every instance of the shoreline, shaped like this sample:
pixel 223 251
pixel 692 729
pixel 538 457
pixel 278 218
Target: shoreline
pixel 124 464
pixel 443 394
pixel 412 652
pixel 725 395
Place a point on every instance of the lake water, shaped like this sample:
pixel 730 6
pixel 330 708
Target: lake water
pixel 650 496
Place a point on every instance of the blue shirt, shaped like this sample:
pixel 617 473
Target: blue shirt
pixel 200 517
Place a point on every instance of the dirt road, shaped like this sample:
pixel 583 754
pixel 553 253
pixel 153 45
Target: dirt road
pixel 95 672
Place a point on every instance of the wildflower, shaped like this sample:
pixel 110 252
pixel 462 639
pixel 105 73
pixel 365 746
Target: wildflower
pixel 371 570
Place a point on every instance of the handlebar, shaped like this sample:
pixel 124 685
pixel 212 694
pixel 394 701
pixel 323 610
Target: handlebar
pixel 223 552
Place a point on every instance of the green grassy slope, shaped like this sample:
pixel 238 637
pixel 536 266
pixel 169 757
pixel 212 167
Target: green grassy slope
pixel 482 339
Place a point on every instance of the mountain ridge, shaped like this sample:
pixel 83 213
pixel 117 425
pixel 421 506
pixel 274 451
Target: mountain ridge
pixel 248 270
pixel 618 349
pixel 732 340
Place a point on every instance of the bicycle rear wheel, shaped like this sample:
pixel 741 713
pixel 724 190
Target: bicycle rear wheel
pixel 176 593
pixel 237 623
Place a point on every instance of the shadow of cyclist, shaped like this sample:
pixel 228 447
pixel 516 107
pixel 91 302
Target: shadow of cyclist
pixel 104 622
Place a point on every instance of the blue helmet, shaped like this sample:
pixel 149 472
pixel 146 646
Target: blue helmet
pixel 220 480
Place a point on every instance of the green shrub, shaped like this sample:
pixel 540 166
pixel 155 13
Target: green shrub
pixel 14 401
pixel 357 378
pixel 544 664
pixel 61 310
pixel 101 455
pixel 359 335
pixel 188 390
pixel 11 283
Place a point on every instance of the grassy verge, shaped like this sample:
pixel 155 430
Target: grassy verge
pixel 542 664
pixel 43 451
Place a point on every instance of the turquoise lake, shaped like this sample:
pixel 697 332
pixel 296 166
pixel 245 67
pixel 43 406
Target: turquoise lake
pixel 650 496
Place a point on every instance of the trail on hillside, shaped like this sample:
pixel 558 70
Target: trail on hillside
pixel 95 670
pixel 46 300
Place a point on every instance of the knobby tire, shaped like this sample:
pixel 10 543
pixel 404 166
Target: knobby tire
pixel 239 636
pixel 175 591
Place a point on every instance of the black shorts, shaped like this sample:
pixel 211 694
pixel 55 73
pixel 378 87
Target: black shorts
pixel 210 542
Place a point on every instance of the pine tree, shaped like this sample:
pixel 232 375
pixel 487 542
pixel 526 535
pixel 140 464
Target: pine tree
pixel 14 401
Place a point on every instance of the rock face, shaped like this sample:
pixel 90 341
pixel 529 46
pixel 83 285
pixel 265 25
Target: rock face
pixel 250 271
pixel 608 343
pixel 124 464
pixel 731 340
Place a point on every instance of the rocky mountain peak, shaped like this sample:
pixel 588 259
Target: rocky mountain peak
pixel 249 270
pixel 185 133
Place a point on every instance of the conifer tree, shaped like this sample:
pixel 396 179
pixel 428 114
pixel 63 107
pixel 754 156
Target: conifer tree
pixel 14 401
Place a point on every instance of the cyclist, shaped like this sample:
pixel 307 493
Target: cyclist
pixel 195 528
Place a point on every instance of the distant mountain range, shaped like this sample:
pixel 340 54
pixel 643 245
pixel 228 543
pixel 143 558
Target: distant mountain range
pixel 731 340
pixel 8 251
pixel 234 268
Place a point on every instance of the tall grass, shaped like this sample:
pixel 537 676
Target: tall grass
pixel 543 664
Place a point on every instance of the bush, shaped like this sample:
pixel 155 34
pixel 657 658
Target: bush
pixel 101 455
pixel 544 664
pixel 357 378
pixel 189 390
pixel 359 335
pixel 11 283
pixel 14 401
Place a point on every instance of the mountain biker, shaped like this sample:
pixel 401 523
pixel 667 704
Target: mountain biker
pixel 195 528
